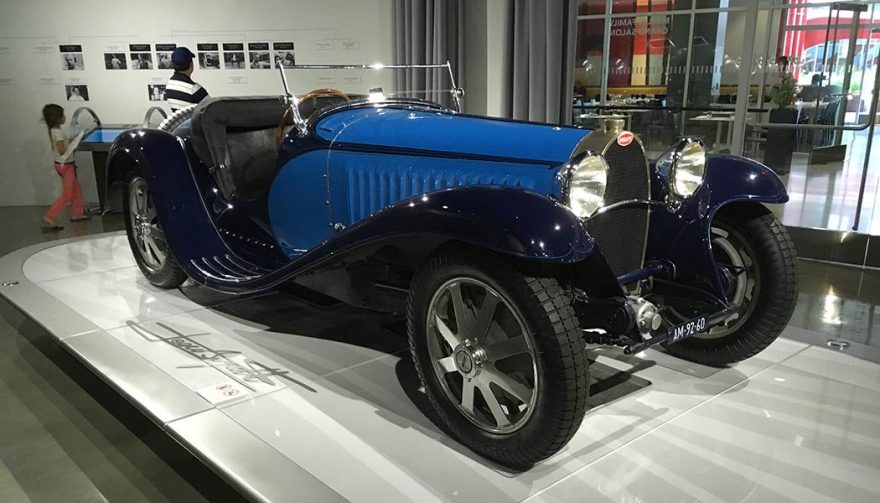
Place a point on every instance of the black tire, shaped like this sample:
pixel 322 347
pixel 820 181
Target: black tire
pixel 774 295
pixel 177 118
pixel 551 326
pixel 165 273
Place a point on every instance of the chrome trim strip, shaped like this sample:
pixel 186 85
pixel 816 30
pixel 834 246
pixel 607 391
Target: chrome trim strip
pixel 216 270
pixel 625 203
pixel 245 265
pixel 209 275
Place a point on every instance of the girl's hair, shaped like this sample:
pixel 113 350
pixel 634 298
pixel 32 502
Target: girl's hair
pixel 52 115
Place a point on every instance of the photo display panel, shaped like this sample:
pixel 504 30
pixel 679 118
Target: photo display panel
pixel 258 56
pixel 233 56
pixel 141 56
pixel 156 92
pixel 209 56
pixel 284 50
pixel 163 56
pixel 71 57
pixel 77 92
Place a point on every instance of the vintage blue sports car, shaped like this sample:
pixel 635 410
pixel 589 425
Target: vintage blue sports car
pixel 511 246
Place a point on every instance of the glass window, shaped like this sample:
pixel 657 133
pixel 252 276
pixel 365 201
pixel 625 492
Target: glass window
pixel 591 7
pixel 636 6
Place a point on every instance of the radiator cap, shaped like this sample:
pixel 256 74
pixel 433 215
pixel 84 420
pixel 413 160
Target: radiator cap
pixel 614 126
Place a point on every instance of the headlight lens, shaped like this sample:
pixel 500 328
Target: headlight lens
pixel 688 168
pixel 586 189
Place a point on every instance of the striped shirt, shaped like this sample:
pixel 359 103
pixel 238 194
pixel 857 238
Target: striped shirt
pixel 182 92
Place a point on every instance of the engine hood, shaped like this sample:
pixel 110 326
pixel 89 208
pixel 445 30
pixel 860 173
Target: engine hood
pixel 394 128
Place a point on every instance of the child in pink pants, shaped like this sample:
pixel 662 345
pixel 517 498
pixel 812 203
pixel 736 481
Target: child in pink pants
pixel 71 192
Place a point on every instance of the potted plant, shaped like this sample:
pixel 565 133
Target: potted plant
pixel 781 141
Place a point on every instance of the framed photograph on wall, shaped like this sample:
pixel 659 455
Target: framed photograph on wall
pixel 77 92
pixel 233 56
pixel 141 56
pixel 115 61
pixel 209 56
pixel 163 56
pixel 284 50
pixel 258 56
pixel 71 57
pixel 156 92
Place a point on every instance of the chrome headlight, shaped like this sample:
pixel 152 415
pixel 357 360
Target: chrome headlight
pixel 588 178
pixel 687 167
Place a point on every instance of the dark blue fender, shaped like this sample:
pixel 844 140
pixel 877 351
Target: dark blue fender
pixel 507 220
pixel 684 237
pixel 161 159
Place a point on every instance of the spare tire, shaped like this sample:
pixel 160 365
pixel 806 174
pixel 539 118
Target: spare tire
pixel 173 121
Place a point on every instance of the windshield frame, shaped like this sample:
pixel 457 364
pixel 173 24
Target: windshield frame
pixel 293 102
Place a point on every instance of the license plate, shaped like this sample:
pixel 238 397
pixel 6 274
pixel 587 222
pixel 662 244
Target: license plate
pixel 684 330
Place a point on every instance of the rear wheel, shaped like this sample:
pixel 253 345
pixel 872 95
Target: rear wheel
pixel 756 250
pixel 500 356
pixel 146 237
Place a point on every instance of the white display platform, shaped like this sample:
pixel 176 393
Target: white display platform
pixel 290 400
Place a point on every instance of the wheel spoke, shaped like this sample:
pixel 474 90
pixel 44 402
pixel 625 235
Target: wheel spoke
pixel 157 253
pixel 467 396
pixel 133 205
pixel 448 363
pixel 750 289
pixel 452 339
pixel 498 414
pixel 141 198
pixel 157 233
pixel 485 316
pixel 508 348
pixel 461 314
pixel 507 383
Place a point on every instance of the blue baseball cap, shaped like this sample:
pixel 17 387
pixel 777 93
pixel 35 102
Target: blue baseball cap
pixel 181 55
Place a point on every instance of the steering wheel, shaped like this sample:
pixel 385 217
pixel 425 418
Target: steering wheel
pixel 311 95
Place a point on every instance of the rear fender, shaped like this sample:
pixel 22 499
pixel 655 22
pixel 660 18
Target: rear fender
pixel 684 237
pixel 161 159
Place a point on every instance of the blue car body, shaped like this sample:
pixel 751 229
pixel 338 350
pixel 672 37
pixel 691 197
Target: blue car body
pixel 369 175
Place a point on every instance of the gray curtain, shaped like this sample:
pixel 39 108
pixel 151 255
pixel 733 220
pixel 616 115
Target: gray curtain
pixel 428 32
pixel 539 60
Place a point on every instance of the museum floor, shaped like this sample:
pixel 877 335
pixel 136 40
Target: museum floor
pixel 825 195
pixel 65 436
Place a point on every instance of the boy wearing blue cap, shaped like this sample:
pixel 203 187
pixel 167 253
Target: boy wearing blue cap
pixel 182 91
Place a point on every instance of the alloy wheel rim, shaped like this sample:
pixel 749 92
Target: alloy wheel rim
pixel 148 235
pixel 482 355
pixel 737 254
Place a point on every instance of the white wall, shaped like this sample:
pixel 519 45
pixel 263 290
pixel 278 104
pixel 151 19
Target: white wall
pixel 325 31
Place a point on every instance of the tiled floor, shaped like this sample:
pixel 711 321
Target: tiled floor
pixel 64 435
pixel 795 423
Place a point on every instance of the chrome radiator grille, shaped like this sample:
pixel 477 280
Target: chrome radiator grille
pixel 622 233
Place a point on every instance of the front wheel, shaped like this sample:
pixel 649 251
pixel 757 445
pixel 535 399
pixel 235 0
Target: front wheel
pixel 757 254
pixel 500 356
pixel 146 237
